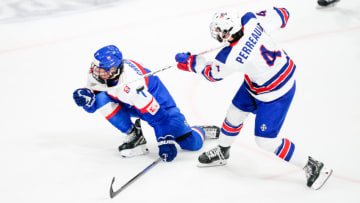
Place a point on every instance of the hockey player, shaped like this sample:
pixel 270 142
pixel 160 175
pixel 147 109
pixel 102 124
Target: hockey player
pixel 267 90
pixel 146 99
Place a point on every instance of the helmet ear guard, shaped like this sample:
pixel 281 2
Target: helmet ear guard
pixel 224 25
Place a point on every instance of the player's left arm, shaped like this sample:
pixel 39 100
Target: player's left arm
pixel 273 18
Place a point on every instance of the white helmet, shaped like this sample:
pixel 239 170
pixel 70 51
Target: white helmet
pixel 224 25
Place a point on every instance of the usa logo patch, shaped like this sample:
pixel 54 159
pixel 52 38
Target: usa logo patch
pixel 222 15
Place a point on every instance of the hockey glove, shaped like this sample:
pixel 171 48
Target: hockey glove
pixel 84 97
pixel 186 61
pixel 167 148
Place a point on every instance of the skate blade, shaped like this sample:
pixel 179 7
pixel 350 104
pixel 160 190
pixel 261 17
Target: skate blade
pixel 137 151
pixel 215 163
pixel 323 177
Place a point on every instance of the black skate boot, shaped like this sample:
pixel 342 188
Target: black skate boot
pixel 134 143
pixel 211 132
pixel 215 157
pixel 327 2
pixel 316 173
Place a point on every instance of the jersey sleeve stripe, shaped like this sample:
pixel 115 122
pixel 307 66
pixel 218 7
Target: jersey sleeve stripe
pixel 284 15
pixel 207 74
pixel 193 63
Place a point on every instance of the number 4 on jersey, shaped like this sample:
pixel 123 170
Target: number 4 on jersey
pixel 269 56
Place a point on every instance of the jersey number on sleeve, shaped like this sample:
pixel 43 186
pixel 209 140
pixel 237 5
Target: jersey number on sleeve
pixel 261 13
pixel 269 56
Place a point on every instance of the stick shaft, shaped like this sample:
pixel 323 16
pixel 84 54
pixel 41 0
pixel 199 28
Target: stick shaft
pixel 169 66
pixel 114 193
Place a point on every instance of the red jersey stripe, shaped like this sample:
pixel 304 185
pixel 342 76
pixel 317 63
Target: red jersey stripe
pixel 286 16
pixel 117 109
pixel 144 109
pixel 207 71
pixel 273 85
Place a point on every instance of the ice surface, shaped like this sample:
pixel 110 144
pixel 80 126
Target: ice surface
pixel 53 151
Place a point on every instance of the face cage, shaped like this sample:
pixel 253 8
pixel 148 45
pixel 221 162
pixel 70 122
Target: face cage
pixel 218 34
pixel 113 75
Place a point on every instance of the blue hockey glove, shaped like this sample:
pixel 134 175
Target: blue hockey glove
pixel 186 61
pixel 84 97
pixel 167 148
pixel 182 57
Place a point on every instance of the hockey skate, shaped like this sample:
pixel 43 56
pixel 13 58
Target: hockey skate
pixel 325 3
pixel 215 157
pixel 211 132
pixel 316 173
pixel 134 143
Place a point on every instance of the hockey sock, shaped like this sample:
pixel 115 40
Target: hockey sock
pixel 287 152
pixel 228 133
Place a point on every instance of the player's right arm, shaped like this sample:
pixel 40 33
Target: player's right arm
pixel 85 98
pixel 212 71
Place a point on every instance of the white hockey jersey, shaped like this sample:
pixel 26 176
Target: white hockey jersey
pixel 130 89
pixel 269 72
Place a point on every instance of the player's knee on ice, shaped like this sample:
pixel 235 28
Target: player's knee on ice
pixel 193 141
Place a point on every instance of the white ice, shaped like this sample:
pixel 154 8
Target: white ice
pixel 53 151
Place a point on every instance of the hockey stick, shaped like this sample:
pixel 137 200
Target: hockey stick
pixel 101 88
pixel 116 192
pixel 170 66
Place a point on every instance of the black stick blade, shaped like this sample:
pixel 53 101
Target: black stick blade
pixel 112 193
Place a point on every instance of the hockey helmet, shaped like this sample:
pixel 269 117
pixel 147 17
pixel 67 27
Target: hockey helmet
pixel 224 25
pixel 107 64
